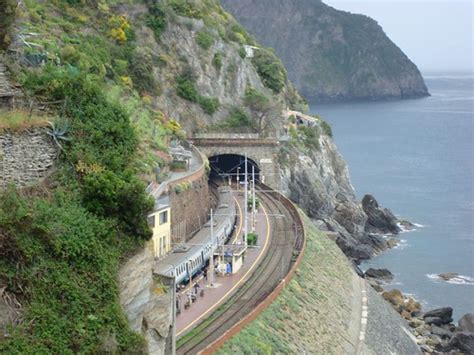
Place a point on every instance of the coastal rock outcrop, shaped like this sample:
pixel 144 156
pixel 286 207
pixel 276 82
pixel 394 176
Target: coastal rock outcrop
pixel 434 330
pixel 147 306
pixel 330 55
pixel 379 220
pixel 381 274
pixel 318 181
pixel 439 316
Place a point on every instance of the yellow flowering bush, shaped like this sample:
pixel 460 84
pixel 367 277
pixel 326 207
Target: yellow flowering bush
pixel 118 27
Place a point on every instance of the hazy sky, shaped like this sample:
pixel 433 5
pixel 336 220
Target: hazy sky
pixel 435 34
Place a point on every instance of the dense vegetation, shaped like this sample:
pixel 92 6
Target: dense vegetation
pixel 61 243
pixel 186 88
pixel 270 69
pixel 7 17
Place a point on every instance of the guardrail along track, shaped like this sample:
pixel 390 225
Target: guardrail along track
pixel 286 241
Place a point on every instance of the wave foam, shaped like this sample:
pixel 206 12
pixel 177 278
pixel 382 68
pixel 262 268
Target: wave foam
pixel 457 280
pixel 402 244
pixel 407 229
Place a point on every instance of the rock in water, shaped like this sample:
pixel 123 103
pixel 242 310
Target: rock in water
pixel 380 220
pixel 444 314
pixel 392 243
pixel 466 323
pixel 446 276
pixel 383 274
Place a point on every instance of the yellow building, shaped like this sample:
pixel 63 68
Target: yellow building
pixel 160 223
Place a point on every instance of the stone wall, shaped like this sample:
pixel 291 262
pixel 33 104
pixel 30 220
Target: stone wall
pixel 147 303
pixel 190 205
pixel 25 156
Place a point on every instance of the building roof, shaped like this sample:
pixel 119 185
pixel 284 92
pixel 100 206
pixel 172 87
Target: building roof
pixel 231 249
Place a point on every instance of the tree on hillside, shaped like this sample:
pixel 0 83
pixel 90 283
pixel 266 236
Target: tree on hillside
pixel 7 16
pixel 262 107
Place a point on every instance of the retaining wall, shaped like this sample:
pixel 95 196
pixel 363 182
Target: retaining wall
pixel 190 202
pixel 25 156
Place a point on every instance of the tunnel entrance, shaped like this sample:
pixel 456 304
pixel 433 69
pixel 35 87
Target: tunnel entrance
pixel 232 166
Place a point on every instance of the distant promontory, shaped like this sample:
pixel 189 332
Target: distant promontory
pixel 331 55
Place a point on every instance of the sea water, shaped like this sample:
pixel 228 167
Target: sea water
pixel 416 158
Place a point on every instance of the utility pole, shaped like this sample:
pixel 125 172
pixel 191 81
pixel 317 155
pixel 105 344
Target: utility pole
pixel 246 203
pixel 238 178
pixel 253 199
pixel 211 259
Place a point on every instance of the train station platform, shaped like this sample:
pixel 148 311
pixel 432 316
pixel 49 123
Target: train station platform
pixel 225 285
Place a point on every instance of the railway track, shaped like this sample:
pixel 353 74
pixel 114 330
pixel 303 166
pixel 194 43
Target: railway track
pixel 284 245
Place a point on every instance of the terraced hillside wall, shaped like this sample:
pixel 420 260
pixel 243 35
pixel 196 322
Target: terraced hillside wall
pixel 25 156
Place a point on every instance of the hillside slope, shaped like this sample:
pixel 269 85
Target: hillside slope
pixel 117 82
pixel 330 55
pixel 319 312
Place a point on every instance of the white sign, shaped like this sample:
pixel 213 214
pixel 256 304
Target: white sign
pixel 266 161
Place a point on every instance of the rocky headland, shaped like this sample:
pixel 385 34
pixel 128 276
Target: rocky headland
pixel 331 55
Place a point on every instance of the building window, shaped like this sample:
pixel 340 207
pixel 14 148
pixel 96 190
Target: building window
pixel 151 221
pixel 163 217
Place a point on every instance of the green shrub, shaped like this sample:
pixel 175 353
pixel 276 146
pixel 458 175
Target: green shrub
pixel 178 165
pixel 185 8
pixel 326 128
pixel 156 19
pixel 238 118
pixel 271 70
pixel 242 53
pixel 217 60
pixel 238 34
pixel 186 88
pixel 209 104
pixel 204 39
pixel 252 239
pixel 141 72
pixel 309 136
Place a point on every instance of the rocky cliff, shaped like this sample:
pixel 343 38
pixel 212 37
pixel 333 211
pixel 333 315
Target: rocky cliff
pixel 316 177
pixel 146 301
pixel 200 68
pixel 331 55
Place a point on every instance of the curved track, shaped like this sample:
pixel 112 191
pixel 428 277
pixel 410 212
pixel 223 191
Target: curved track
pixel 285 242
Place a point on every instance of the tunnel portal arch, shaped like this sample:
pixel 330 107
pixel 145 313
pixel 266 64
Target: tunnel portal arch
pixel 232 166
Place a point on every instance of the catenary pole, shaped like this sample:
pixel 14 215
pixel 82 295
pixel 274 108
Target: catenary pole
pixel 246 203
pixel 253 198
